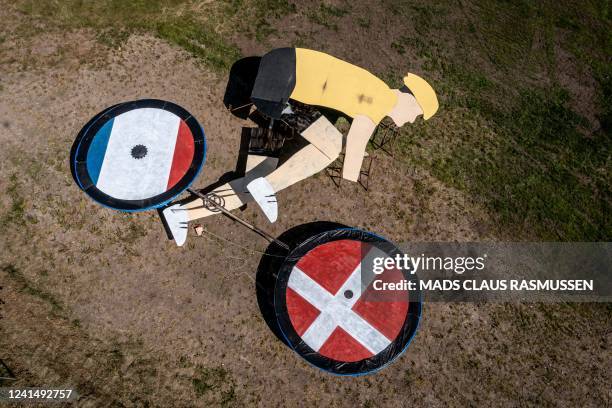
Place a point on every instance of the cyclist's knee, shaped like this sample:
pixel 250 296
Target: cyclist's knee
pixel 324 135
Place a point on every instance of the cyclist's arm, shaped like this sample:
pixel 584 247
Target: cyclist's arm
pixel 360 132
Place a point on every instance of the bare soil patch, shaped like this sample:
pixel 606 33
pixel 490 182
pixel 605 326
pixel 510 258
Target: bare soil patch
pixel 101 301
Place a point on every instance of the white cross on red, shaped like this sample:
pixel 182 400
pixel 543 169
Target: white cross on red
pixel 345 328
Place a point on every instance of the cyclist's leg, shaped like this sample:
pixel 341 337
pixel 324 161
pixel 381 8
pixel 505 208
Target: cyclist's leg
pixel 325 146
pixel 232 195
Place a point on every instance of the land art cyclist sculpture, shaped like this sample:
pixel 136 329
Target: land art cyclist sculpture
pixel 143 154
pixel 291 83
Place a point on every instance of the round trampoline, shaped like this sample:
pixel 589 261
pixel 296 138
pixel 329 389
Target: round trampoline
pixel 138 155
pixel 330 306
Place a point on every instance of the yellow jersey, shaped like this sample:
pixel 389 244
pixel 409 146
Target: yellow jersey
pixel 323 80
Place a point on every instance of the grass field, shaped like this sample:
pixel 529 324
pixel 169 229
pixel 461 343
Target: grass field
pixel 519 151
pixel 516 132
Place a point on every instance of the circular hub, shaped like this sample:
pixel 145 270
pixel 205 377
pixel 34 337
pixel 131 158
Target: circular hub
pixel 139 151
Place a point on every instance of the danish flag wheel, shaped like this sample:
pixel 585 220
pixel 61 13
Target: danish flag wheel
pixel 329 310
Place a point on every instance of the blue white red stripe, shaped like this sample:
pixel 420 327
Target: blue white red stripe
pixel 169 153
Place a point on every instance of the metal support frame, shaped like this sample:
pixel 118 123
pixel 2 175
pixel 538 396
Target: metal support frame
pixel 334 171
pixel 385 138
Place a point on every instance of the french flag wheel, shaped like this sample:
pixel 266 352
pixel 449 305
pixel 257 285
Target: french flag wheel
pixel 329 311
pixel 138 155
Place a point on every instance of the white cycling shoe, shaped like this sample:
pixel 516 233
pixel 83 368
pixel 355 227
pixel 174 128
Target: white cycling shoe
pixel 264 195
pixel 177 221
